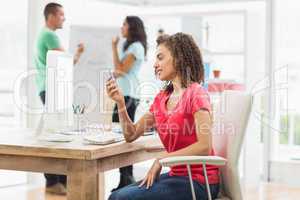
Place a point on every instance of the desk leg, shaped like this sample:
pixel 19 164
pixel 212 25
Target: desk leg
pixel 83 181
pixel 101 186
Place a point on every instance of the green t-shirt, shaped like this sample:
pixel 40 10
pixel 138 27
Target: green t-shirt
pixel 47 40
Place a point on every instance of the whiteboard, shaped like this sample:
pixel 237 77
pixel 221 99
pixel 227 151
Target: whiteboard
pixel 92 70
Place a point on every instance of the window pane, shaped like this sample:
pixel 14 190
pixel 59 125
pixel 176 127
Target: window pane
pixel 13 35
pixel 224 32
pixel 287 73
pixel 231 66
pixel 13 55
pixel 287 32
pixel 297 129
pixel 284 127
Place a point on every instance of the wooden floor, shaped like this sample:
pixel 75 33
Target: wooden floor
pixel 273 191
pixel 267 191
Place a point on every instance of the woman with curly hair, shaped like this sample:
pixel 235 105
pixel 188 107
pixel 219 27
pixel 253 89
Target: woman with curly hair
pixel 181 113
pixel 127 64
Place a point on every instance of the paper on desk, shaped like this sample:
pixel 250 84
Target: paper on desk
pixel 70 132
pixel 104 138
pixel 54 137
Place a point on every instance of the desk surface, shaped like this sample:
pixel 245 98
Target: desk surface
pixel 83 164
pixel 24 143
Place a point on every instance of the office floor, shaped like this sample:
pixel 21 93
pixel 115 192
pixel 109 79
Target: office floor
pixel 270 191
pixel 266 191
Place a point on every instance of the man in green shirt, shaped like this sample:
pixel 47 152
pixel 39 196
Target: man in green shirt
pixel 48 40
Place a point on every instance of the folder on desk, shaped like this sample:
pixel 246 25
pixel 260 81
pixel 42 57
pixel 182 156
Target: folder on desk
pixel 104 138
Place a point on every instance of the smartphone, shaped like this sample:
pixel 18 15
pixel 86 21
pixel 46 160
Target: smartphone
pixel 111 75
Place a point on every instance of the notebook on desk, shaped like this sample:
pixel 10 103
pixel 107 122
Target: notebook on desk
pixel 104 138
pixel 107 138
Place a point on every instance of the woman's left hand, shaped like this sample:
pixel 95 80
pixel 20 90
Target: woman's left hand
pixel 152 174
pixel 115 41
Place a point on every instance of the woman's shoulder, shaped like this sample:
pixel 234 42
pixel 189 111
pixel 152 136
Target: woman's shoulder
pixel 136 45
pixel 158 99
pixel 197 91
pixel 137 49
pixel 161 94
pixel 197 88
pixel 197 98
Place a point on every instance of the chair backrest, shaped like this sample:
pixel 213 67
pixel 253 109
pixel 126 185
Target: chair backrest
pixel 231 112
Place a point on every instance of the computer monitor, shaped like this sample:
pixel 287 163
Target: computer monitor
pixel 59 87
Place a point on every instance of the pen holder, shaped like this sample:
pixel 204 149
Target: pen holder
pixel 79 122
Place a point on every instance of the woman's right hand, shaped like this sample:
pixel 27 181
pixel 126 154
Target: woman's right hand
pixel 152 174
pixel 113 91
pixel 80 48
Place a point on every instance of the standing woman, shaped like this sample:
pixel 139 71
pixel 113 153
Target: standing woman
pixel 127 64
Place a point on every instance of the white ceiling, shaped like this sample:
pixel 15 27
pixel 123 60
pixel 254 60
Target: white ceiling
pixel 170 2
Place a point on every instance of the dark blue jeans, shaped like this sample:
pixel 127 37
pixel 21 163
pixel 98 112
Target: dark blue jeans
pixel 165 188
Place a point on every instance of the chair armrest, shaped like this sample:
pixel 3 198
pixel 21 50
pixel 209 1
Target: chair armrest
pixel 189 160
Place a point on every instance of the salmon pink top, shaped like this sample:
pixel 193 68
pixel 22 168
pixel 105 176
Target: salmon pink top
pixel 176 128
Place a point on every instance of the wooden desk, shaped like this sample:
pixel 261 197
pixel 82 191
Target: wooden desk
pixel 83 164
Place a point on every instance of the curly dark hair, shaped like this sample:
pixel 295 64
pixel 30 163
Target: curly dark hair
pixel 187 58
pixel 136 32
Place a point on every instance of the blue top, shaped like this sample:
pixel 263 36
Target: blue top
pixel 129 83
pixel 206 75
